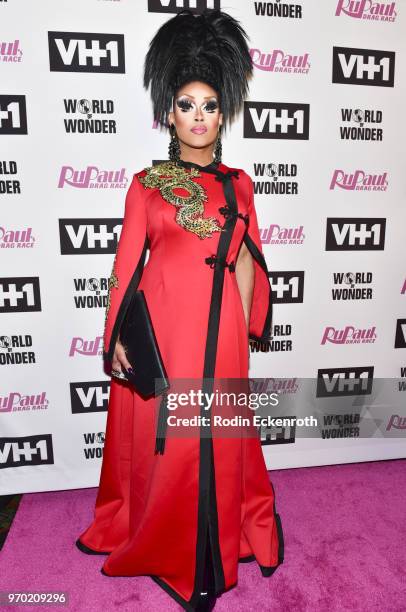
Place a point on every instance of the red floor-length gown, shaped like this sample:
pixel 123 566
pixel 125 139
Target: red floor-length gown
pixel 154 512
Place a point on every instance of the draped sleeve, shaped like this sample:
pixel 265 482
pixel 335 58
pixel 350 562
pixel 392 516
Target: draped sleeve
pixel 128 265
pixel 261 307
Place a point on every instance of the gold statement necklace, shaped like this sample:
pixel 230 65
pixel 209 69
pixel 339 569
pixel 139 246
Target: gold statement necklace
pixel 167 177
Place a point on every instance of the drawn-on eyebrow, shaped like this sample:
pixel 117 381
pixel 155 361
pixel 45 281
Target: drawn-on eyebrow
pixel 205 97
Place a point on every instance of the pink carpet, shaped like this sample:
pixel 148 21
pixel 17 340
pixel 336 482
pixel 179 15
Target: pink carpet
pixel 345 548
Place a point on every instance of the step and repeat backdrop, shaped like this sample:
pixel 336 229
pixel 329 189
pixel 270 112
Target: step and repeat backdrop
pixel 322 135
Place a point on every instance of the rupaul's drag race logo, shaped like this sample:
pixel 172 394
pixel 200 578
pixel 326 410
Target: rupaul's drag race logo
pixel 359 180
pixel 276 234
pixel 88 348
pixel 16 238
pixel 92 178
pixel 18 402
pixel 367 10
pixel 10 51
pixel 349 335
pixel 278 60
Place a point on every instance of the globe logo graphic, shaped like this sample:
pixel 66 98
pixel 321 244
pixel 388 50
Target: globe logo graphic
pixel 5 342
pixel 93 284
pixel 358 116
pixel 272 171
pixel 349 278
pixel 84 107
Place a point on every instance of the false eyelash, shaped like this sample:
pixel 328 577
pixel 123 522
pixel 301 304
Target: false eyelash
pixel 211 106
pixel 184 104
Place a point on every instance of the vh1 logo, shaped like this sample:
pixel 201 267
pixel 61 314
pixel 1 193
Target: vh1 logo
pixel 276 120
pixel 176 6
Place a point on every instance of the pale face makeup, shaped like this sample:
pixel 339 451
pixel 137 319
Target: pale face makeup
pixel 196 115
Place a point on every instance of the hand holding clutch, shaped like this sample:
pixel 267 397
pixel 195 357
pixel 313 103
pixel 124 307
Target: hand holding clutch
pixel 119 361
pixel 147 372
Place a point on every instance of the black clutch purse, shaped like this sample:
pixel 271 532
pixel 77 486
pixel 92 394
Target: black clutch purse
pixel 137 335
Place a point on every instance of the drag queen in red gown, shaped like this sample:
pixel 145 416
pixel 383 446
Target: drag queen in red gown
pixel 186 511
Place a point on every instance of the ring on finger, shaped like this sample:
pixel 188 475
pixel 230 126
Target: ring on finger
pixel 118 374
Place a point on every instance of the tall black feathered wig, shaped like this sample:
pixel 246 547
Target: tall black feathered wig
pixel 210 47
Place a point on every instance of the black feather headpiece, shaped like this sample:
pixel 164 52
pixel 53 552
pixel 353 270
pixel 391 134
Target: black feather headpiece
pixel 209 47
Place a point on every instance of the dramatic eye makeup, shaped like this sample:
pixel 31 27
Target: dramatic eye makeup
pixel 211 105
pixel 185 104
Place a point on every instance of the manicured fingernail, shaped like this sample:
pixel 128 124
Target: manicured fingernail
pixel 130 370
